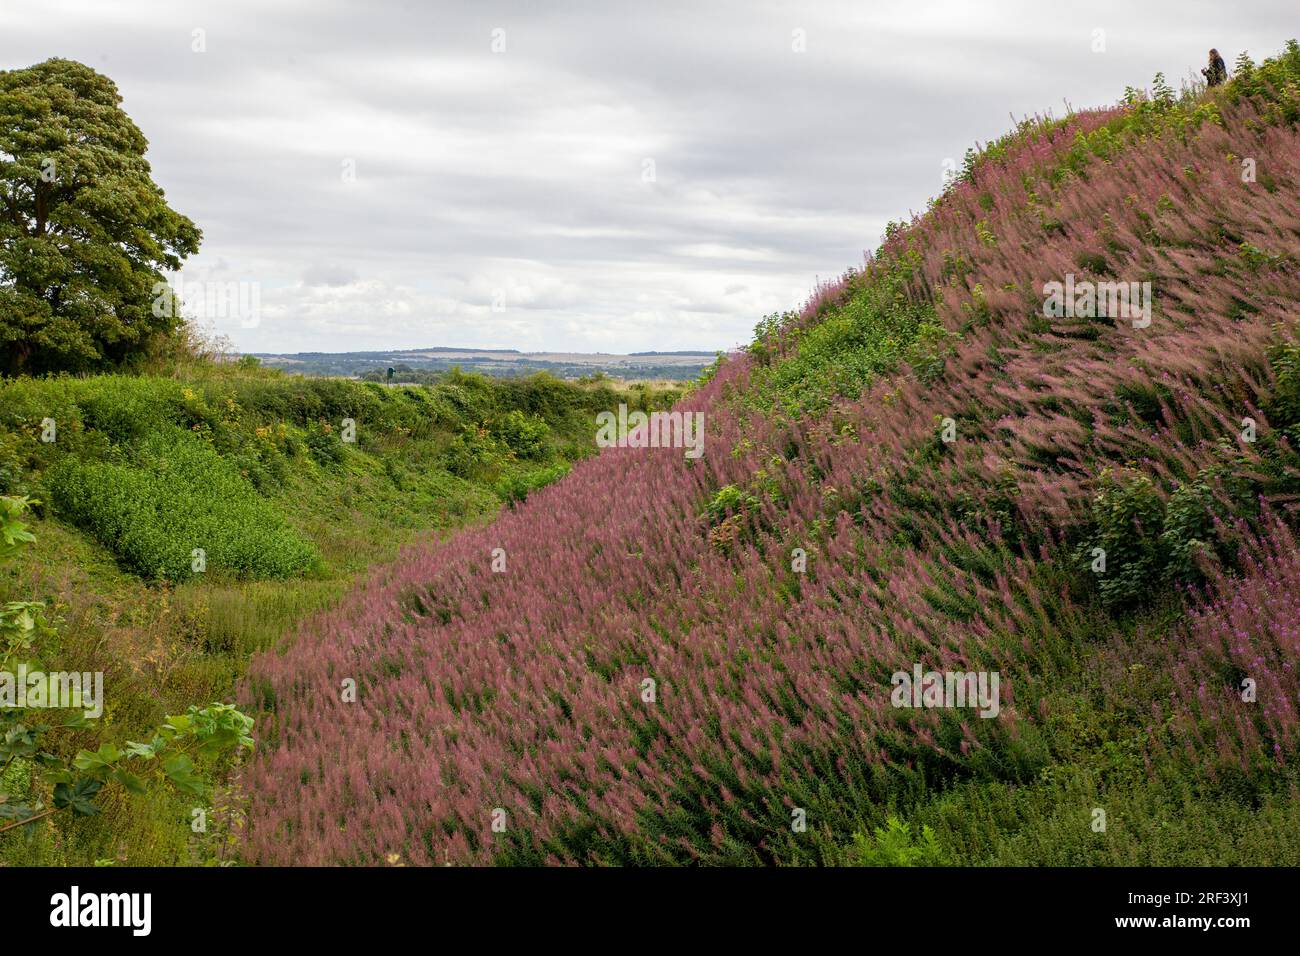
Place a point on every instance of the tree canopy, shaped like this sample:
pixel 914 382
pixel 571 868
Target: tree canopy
pixel 84 230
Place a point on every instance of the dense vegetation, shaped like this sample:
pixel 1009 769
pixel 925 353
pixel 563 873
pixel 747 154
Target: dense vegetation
pixel 161 523
pixel 666 660
pixel 132 473
pixel 670 659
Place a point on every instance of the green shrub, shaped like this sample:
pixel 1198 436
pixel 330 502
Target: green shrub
pixel 517 487
pixel 472 453
pixel 181 496
pixel 525 435
pixel 324 444
pixel 728 500
pixel 1129 516
pixel 894 845
pixel 1151 540
pixel 1284 407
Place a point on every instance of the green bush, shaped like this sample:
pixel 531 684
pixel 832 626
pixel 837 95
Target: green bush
pixel 1152 540
pixel 1284 408
pixel 525 435
pixel 181 496
pixel 1129 516
pixel 517 487
pixel 324 444
pixel 728 500
pixel 123 410
pixel 472 453
pixel 894 845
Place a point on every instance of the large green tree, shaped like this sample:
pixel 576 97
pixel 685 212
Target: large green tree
pixel 84 230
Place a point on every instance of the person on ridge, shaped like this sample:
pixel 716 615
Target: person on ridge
pixel 1216 72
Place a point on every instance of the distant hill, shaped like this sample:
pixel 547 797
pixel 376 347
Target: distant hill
pixel 681 352
pixel 427 363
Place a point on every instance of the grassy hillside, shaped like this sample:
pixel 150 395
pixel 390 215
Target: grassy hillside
pixel 692 660
pixel 134 473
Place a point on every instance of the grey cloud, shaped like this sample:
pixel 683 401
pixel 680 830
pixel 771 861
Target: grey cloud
pixel 522 171
pixel 328 275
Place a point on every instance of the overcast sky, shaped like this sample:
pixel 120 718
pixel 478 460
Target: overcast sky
pixel 595 176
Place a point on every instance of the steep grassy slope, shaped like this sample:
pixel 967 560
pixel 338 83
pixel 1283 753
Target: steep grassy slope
pixel 250 467
pixel 685 660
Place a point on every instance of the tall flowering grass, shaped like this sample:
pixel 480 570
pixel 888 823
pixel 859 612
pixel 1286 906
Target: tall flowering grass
pixel 1237 700
pixel 524 690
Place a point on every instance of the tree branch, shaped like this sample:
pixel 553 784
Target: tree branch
pixel 23 823
pixel 13 211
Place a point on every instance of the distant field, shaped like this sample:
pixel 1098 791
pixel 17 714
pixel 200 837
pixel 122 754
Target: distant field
pixel 419 364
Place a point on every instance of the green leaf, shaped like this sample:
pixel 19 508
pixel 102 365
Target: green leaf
pixel 180 723
pixel 78 796
pixel 180 770
pixel 145 751
pixel 97 762
pixel 85 760
pixel 129 780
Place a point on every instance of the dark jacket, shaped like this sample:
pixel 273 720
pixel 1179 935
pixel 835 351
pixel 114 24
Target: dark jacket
pixel 1216 72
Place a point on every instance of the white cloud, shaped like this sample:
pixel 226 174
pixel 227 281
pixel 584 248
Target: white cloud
pixel 503 200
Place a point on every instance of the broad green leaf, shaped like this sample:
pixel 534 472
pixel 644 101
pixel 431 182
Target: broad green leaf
pixel 129 780
pixel 78 796
pixel 180 723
